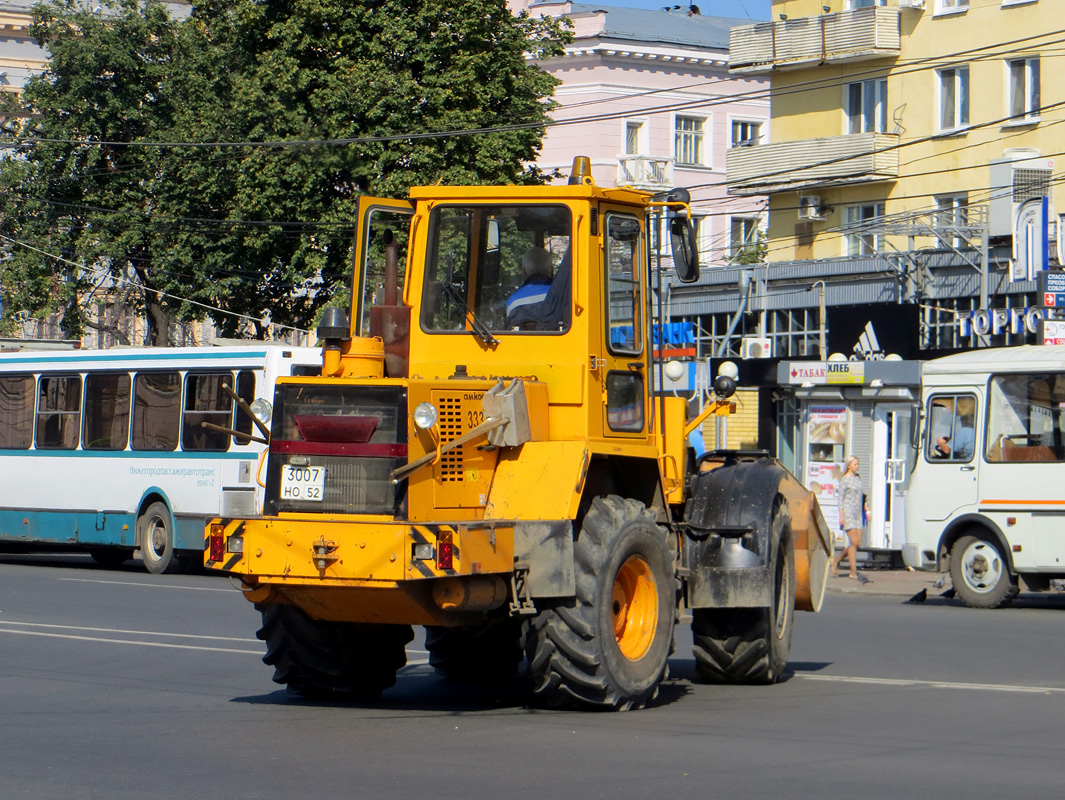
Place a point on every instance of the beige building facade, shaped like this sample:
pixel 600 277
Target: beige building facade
pixel 902 109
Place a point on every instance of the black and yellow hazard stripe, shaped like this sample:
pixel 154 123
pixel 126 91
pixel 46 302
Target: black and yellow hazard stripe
pixel 431 534
pixel 232 527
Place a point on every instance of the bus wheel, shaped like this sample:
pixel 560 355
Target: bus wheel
pixel 980 574
pixel 331 660
pixel 608 647
pixel 155 535
pixel 751 645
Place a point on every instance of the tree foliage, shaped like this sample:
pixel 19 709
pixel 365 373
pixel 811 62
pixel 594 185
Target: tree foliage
pixel 319 102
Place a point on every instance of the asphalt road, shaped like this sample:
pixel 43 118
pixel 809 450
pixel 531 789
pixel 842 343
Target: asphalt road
pixel 119 684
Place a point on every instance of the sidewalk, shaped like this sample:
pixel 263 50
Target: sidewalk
pixel 900 582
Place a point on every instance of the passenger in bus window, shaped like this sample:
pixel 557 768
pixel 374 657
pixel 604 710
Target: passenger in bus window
pixel 940 422
pixel 960 445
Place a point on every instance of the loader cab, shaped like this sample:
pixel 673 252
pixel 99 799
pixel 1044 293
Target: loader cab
pixel 551 283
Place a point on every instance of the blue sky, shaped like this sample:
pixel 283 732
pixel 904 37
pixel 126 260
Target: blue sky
pixel 741 9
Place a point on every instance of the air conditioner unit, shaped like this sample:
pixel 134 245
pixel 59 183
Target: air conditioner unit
pixel 756 347
pixel 1022 175
pixel 911 3
pixel 810 207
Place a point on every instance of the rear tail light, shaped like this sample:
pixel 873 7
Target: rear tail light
pixel 445 551
pixel 217 542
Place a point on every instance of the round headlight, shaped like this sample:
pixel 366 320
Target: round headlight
pixel 425 415
pixel 262 410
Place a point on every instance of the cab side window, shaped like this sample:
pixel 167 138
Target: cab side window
pixel 951 431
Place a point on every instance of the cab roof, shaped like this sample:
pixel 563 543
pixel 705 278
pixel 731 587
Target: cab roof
pixel 478 194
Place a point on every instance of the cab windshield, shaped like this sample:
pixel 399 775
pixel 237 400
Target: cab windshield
pixel 498 270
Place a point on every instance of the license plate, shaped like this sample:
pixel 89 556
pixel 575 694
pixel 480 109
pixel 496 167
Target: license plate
pixel 302 483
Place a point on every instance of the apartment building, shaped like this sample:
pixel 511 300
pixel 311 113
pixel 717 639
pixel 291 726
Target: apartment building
pixel 647 95
pixel 905 140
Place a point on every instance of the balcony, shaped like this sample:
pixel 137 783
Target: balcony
pixel 858 35
pixel 806 163
pixel 650 173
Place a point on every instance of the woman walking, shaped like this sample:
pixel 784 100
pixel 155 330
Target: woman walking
pixel 850 515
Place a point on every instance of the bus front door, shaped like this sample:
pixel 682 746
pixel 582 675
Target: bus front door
pixel 951 451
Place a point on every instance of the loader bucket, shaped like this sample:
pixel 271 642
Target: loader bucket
pixel 813 544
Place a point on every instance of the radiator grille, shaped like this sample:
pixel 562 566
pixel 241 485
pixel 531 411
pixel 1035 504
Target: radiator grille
pixel 326 425
pixel 352 486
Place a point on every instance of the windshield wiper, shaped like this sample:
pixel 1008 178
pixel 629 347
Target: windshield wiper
pixel 479 328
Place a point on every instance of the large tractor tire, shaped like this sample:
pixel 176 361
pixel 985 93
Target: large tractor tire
pixel 608 647
pixel 488 653
pixel 341 660
pixel 751 645
pixel 980 573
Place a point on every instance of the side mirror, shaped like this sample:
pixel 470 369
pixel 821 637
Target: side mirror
pixel 685 252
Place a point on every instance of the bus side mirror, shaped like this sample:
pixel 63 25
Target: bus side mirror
pixel 685 252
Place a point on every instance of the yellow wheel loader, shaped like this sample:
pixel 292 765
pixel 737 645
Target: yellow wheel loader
pixel 484 455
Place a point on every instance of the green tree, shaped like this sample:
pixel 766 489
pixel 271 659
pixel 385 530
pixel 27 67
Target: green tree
pixel 75 216
pixel 345 98
pixel 753 252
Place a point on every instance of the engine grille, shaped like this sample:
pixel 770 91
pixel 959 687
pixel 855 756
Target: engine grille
pixel 358 434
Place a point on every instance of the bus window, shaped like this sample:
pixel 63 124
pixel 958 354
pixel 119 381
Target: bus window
pixel 106 412
pixel 16 412
pixel 58 412
pixel 951 428
pixel 205 401
pixel 246 392
pixel 156 410
pixel 1025 418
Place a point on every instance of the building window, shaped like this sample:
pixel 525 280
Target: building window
pixel 867 106
pixel 633 138
pixel 689 140
pixel 952 214
pixel 862 242
pixel 1023 89
pixel 745 132
pixel 851 5
pixel 951 6
pixel 743 239
pixel 953 98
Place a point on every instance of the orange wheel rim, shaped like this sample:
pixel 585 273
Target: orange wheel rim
pixel 635 608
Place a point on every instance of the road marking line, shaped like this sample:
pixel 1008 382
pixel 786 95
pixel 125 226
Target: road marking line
pixel 129 641
pixel 981 687
pixel 150 585
pixel 121 630
pixel 422 655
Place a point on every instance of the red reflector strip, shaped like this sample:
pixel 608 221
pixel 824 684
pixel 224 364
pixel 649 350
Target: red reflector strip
pixel 445 551
pixel 374 450
pixel 335 428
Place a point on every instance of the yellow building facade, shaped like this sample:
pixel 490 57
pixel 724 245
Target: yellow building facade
pixel 899 110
